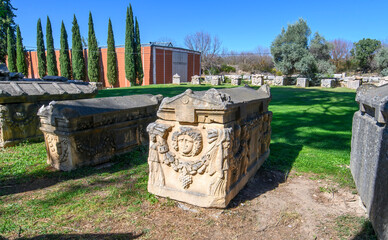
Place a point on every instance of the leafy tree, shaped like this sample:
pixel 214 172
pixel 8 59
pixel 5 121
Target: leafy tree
pixel 307 66
pixel 20 56
pixel 40 50
pixel 130 69
pixel 64 58
pixel 291 46
pixel 111 57
pixel 6 21
pixel 321 49
pixel 93 53
pixel 77 57
pixel 364 51
pixel 11 53
pixel 139 65
pixel 382 61
pixel 52 69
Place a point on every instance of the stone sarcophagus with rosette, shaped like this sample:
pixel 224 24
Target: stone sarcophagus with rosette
pixel 91 131
pixel 206 145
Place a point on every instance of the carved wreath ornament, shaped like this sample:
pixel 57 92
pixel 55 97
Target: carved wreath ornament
pixel 188 143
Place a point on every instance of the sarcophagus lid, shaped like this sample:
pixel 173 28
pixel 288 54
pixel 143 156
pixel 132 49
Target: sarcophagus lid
pixel 34 91
pixel 215 105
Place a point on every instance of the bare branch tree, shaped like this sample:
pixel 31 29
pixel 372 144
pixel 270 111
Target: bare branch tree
pixel 341 51
pixel 208 46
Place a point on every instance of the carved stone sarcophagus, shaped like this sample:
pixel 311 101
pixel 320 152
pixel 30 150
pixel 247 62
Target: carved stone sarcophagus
pixel 91 131
pixel 21 100
pixel 206 145
pixel 369 154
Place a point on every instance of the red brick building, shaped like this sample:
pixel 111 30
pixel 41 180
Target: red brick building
pixel 160 62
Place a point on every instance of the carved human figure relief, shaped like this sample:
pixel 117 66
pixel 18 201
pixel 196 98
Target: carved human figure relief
pixel 187 141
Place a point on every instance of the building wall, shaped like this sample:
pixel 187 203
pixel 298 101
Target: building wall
pixel 161 69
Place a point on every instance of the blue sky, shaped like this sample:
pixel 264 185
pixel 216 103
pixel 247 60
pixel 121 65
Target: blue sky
pixel 240 25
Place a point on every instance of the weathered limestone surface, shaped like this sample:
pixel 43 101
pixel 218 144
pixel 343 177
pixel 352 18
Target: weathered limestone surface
pixel 328 83
pixel 338 76
pixel 257 80
pixel 236 81
pixel 21 100
pixel 91 131
pixel 196 80
pixel 302 82
pixel 279 81
pixel 176 79
pixel 353 84
pixel 369 154
pixel 206 145
pixel 215 80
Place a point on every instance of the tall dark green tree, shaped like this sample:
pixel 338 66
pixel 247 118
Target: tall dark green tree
pixel 11 51
pixel 40 50
pixel 364 51
pixel 77 57
pixel 20 56
pixel 111 57
pixel 6 21
pixel 93 53
pixel 139 65
pixel 52 69
pixel 130 68
pixel 64 58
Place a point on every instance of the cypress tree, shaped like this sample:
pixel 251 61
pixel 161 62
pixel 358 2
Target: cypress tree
pixel 139 65
pixel 40 50
pixel 20 56
pixel 11 51
pixel 130 71
pixel 111 57
pixel 77 57
pixel 64 58
pixel 94 54
pixel 52 69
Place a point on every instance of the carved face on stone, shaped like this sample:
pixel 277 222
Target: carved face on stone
pixel 187 141
pixel 185 144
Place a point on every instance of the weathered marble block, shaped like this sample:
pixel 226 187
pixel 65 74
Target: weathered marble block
pixel 369 154
pixel 328 83
pixel 302 82
pixel 205 146
pixel 21 100
pixel 236 81
pixel 215 80
pixel 257 80
pixel 338 76
pixel 196 80
pixel 353 84
pixel 91 131
pixel 279 81
pixel 176 79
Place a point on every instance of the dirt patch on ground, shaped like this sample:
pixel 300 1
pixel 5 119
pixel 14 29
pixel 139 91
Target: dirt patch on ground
pixel 271 206
pixel 299 208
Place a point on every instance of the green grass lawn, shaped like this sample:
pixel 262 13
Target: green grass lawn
pixel 311 133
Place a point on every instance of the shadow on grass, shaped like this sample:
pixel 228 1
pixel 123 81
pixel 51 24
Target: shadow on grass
pixel 366 233
pixel 51 176
pixel 106 236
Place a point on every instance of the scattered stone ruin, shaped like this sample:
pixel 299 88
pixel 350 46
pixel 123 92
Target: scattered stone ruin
pixel 206 145
pixel 176 79
pixel 20 100
pixel 215 80
pixel 196 80
pixel 257 80
pixel 369 154
pixel 328 83
pixel 236 81
pixel 91 131
pixel 302 82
